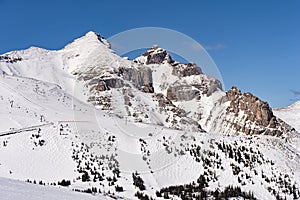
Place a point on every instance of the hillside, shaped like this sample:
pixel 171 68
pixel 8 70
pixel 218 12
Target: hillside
pixel 11 190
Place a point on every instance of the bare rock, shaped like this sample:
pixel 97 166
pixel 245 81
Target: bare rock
pixel 114 82
pixel 147 88
pixel 182 93
pixel 256 111
pixel 183 70
pixel 157 55
pixel 101 86
pixel 141 77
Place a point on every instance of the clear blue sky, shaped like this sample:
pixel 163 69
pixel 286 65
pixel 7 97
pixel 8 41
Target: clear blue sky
pixel 255 44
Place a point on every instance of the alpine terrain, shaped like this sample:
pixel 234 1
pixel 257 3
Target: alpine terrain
pixel 87 120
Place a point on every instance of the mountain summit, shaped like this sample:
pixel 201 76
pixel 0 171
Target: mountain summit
pixel 89 39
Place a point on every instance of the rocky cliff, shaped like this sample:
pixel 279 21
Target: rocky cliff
pixel 256 112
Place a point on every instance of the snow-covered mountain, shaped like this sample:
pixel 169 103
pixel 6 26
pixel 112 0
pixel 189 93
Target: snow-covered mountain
pixel 88 119
pixel 201 96
pixel 290 114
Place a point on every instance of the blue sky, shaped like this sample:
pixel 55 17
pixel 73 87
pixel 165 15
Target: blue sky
pixel 255 44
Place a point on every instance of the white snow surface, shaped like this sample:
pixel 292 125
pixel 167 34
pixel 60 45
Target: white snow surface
pixel 291 115
pixel 14 190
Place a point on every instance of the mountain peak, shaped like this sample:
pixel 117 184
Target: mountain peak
pixel 94 35
pixel 90 38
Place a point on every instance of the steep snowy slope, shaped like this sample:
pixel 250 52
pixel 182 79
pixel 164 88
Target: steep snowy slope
pixel 290 114
pixel 98 123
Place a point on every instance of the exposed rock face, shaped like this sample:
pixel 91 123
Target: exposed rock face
pixel 180 90
pixel 105 84
pixel 156 55
pixel 162 101
pixel 147 88
pixel 182 93
pixel 258 112
pixel 102 79
pixel 183 70
pixel 210 86
pixel 141 77
pixel 101 86
pixel 114 82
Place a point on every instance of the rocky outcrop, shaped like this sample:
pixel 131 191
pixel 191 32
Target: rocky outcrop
pixel 183 70
pixel 101 86
pixel 141 77
pixel 105 84
pixel 209 86
pixel 182 93
pixel 183 90
pixel 255 111
pixel 114 82
pixel 147 88
pixel 157 55
pixel 162 101
pixel 102 79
